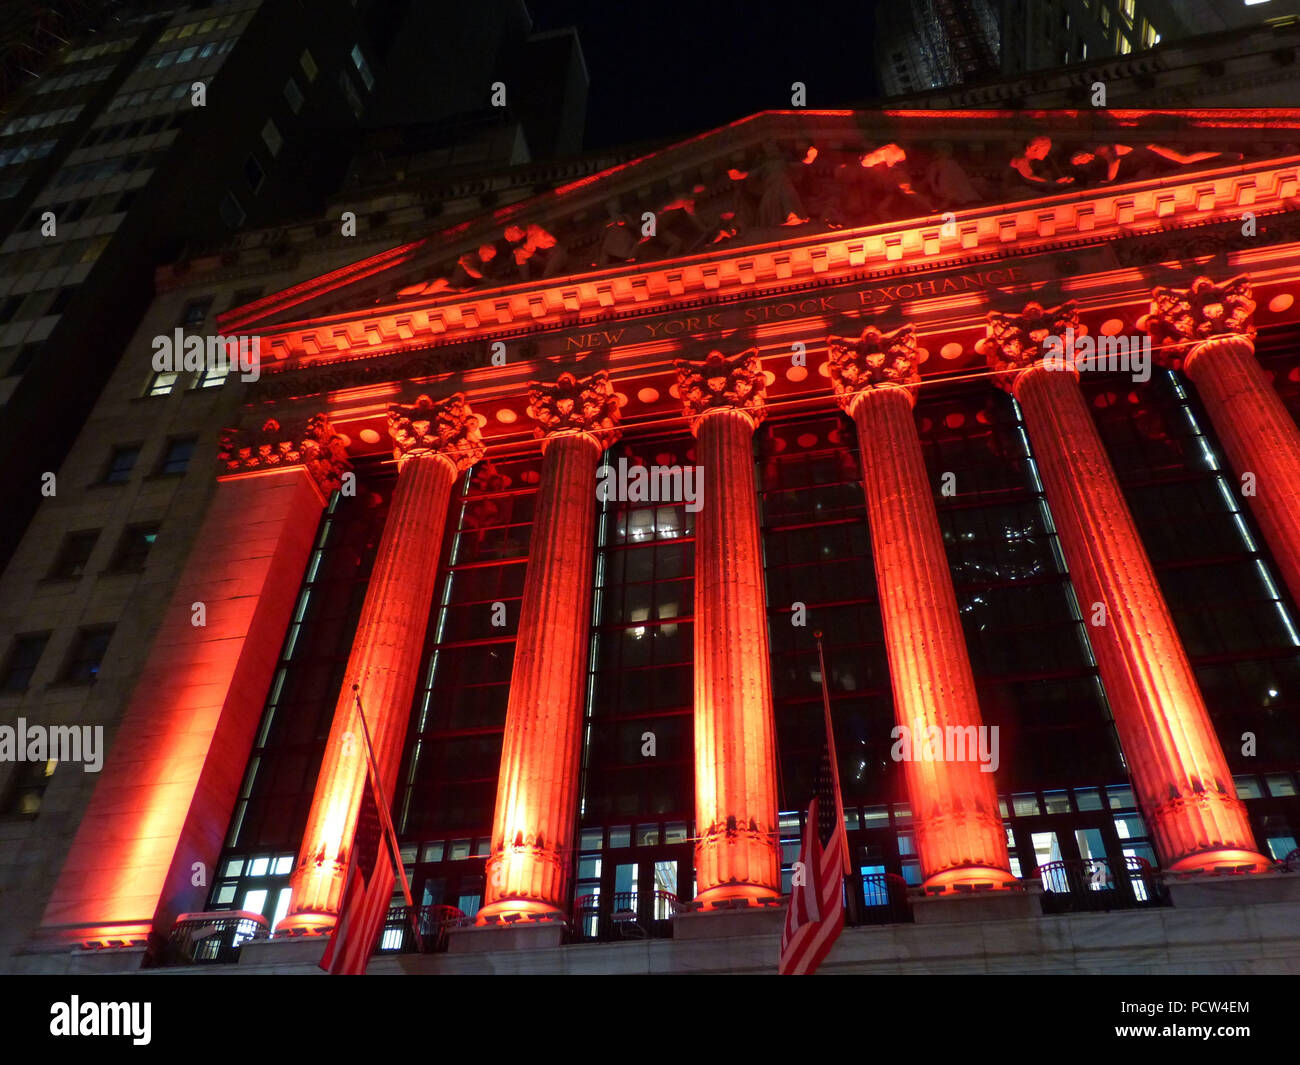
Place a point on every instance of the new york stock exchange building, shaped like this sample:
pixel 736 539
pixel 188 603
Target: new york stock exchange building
pixel 557 494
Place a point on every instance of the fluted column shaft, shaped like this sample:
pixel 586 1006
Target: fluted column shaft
pixel 1177 766
pixel 1260 438
pixel 737 854
pixel 959 830
pixel 537 791
pixel 385 662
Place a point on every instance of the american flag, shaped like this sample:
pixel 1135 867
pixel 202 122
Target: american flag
pixel 816 914
pixel 366 896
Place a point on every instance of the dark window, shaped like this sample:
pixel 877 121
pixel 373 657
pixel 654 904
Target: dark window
pixel 60 302
pixel 121 463
pixel 23 656
pixel 30 780
pixel 133 548
pixel 87 655
pixel 23 359
pixel 244 295
pixel 76 210
pixel 196 312
pixel 1232 611
pixel 75 553
pixel 9 308
pixel 177 456
pixel 253 173
pixel 124 201
pixel 231 212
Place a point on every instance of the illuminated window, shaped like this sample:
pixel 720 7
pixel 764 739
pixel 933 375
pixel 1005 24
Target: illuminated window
pixel 1127 8
pixel 363 68
pixel 308 64
pixel 162 383
pixel 30 779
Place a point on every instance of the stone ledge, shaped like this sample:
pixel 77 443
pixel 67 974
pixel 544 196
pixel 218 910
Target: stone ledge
pixel 525 935
pixel 724 924
pixel 976 906
pixel 283 950
pixel 1229 889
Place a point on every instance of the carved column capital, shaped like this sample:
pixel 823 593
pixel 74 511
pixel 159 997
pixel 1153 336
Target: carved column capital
pixel 446 427
pixel 722 382
pixel 1180 319
pixel 313 445
pixel 1014 342
pixel 875 360
pixel 573 404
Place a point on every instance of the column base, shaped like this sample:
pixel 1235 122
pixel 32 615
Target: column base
pixel 306 924
pixel 1223 861
pixel 954 907
pixel 1191 891
pixel 970 878
pixel 726 896
pixel 522 910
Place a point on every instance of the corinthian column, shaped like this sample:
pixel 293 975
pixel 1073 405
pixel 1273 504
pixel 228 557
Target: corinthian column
pixel 737 854
pixel 433 443
pixel 959 832
pixel 1208 332
pixel 537 790
pixel 1178 769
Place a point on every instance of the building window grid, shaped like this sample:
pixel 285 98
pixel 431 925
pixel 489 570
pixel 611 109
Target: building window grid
pixel 453 748
pixel 1233 615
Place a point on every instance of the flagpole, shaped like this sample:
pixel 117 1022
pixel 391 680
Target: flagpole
pixel 835 765
pixel 386 819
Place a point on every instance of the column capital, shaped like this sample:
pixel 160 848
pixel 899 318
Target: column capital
pixel 574 404
pixel 722 382
pixel 313 444
pixel 1181 319
pixel 874 361
pixel 446 427
pixel 1015 342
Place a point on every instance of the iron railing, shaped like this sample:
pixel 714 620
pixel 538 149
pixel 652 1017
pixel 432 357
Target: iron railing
pixel 1090 884
pixel 398 935
pixel 213 938
pixel 625 915
pixel 877 898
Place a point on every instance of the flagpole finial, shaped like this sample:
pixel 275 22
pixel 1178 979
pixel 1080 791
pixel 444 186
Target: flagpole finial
pixel 817 634
pixel 356 687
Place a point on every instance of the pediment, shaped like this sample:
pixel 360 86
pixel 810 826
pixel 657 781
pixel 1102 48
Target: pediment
pixel 785 175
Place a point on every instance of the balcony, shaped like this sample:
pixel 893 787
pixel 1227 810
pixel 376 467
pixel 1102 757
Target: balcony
pixel 213 938
pixel 624 915
pixel 398 935
pixel 1091 885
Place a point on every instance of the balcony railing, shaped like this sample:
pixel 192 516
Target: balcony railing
pixel 213 938
pixel 398 935
pixel 625 915
pixel 1090 884
pixel 881 899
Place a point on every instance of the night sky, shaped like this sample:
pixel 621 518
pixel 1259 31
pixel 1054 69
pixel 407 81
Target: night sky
pixel 669 68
